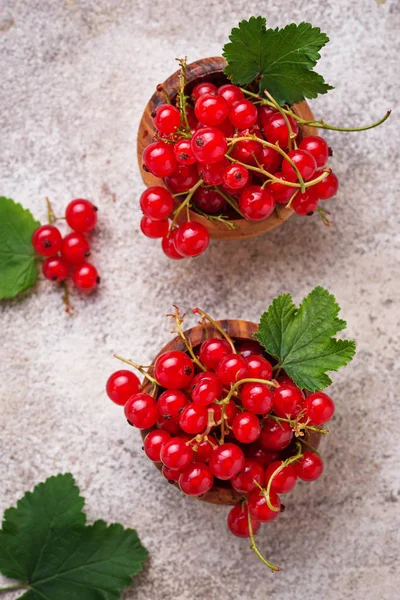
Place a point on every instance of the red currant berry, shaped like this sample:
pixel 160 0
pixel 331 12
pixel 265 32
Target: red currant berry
pixel 47 240
pixel 85 277
pixel 275 436
pixel 209 145
pixel 304 161
pixel 319 408
pixel 166 118
pixel 205 87
pixel 235 177
pixel 153 229
pixel 259 508
pixel 153 443
pixel 183 152
pixel 317 146
pixel 327 188
pixel 141 410
pixel 170 426
pixel 55 269
pixel 81 215
pixel 256 203
pixel 226 461
pixel 191 239
pixel 171 403
pixel 249 347
pixel 231 369
pixel 170 474
pixel 173 370
pixel 269 159
pixel 206 388
pixel 244 481
pixel 212 351
pixel 209 200
pixel 288 401
pixel 310 467
pixel 280 192
pixel 264 113
pixel 211 109
pixel 196 479
pixel 284 481
pixel 243 114
pixel 257 398
pixel 258 367
pixel 212 174
pixel 193 418
pixel 226 128
pixel 156 203
pixel 231 93
pixel 75 248
pixel 121 385
pixel 182 179
pixel 247 151
pixel 262 456
pixel 159 159
pixel 276 131
pixel 204 449
pixel 231 411
pixel 238 521
pixel 305 203
pixel 168 246
pixel 246 427
pixel 176 454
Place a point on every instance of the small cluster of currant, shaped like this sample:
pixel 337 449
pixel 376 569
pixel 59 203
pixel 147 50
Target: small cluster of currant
pixel 225 415
pixel 68 254
pixel 231 148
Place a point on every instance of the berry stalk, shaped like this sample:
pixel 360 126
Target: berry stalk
pixel 253 546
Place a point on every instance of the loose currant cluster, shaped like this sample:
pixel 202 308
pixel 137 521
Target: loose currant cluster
pixel 222 414
pixel 68 255
pixel 226 151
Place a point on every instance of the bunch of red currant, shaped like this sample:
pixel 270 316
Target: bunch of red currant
pixel 69 254
pixel 219 415
pixel 228 153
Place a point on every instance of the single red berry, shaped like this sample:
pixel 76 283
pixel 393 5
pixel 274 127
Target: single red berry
pixel 212 351
pixel 327 188
pixel 173 370
pixel 276 131
pixel 226 128
pixel 191 239
pixel 246 427
pixel 183 152
pixel 166 118
pixel 284 481
pixel 121 385
pixel 159 159
pixel 310 467
pixel 171 403
pixel 258 367
pixel 75 248
pixel 193 418
pixel 235 176
pixel 281 192
pixel 261 455
pixel 168 246
pixel 170 474
pixel 317 146
pixel 170 426
pixel 243 114
pixel 259 508
pixel 305 203
pixel 209 145
pixel 153 443
pixel 231 93
pixel 257 398
pixel 156 203
pixel 288 401
pixel 211 109
pixel 226 461
pixel 212 174
pixel 231 369
pixel 204 449
pixel 205 388
pixel 182 179
pixel 205 87
pixel 81 215
pixel 196 479
pixel 305 163
pixel 269 159
pixel 209 200
pixel 319 408
pixel 238 521
pixel 249 347
pixel 256 203
pixel 141 410
pixel 47 240
pixel 264 113
pixel 244 481
pixel 231 411
pixel 275 436
pixel 85 277
pixel 247 151
pixel 176 454
pixel 55 269
pixel 153 229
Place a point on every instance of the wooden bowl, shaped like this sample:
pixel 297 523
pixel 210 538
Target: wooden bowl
pixel 238 330
pixel 211 69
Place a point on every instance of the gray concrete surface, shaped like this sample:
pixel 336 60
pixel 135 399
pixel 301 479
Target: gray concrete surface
pixel 75 76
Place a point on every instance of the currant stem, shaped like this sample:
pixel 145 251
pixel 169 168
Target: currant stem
pixel 298 426
pixel 69 308
pixel 186 202
pixel 285 463
pixel 253 545
pixel 181 92
pixel 231 201
pixel 139 368
pixel 51 217
pixel 248 380
pixel 292 135
pixel 207 317
pixel 189 347
pixel 215 218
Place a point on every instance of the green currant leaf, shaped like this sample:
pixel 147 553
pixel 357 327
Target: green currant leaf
pixel 302 339
pixel 18 264
pixel 283 59
pixel 45 544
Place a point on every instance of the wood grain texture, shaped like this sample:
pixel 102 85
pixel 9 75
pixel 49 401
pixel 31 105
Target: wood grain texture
pixel 238 330
pixel 211 69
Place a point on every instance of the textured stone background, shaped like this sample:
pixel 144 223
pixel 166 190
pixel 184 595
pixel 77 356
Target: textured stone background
pixel 75 77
